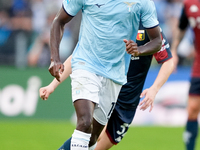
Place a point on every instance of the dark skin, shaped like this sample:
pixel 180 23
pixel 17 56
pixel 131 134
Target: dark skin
pixel 84 108
pixel 56 34
pixel 150 48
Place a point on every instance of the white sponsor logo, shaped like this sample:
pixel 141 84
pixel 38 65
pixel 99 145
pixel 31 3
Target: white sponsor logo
pixel 164 47
pixel 15 100
pixel 135 58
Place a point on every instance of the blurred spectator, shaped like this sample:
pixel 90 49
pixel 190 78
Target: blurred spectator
pixel 168 15
pixel 168 12
pixel 161 9
pixel 5 34
pixel 22 30
pixel 5 4
pixel 25 28
pixel 39 15
pixel 14 46
pixel 21 15
pixel 186 49
pixel 39 54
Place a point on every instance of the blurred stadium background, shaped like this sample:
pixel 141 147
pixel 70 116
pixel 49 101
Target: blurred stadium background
pixel 27 122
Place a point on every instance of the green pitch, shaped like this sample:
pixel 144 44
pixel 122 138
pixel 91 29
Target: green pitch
pixel 50 135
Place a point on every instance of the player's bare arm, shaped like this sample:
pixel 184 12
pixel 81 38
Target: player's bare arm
pixel 47 90
pixel 179 34
pixel 149 48
pixel 155 43
pixel 164 73
pixel 57 29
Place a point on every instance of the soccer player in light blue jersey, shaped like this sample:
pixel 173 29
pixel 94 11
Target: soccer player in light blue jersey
pixel 101 58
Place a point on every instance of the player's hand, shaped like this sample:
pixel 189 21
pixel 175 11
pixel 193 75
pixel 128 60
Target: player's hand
pixel 148 100
pixel 45 92
pixel 131 47
pixel 56 68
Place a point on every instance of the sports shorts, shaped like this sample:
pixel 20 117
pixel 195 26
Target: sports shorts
pixel 194 86
pixel 98 89
pixel 119 123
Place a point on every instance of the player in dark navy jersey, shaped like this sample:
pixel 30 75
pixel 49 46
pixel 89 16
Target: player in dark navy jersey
pixel 130 93
pixel 190 17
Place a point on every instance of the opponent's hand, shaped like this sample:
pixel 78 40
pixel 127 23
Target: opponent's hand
pixel 45 92
pixel 56 68
pixel 131 47
pixel 148 100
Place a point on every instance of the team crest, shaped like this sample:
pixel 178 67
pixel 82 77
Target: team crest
pixel 140 35
pixel 129 5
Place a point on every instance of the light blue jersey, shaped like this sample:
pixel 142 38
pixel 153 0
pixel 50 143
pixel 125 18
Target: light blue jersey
pixel 104 25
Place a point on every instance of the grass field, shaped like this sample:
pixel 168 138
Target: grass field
pixel 50 135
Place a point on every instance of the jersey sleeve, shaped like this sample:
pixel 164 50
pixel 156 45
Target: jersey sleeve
pixel 72 7
pixel 148 14
pixel 183 21
pixel 164 53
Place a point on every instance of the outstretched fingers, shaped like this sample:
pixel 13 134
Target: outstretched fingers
pixel 146 102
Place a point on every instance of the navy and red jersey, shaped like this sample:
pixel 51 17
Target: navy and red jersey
pixel 129 96
pixel 191 16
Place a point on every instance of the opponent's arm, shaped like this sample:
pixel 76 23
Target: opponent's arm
pixel 178 36
pixel 177 39
pixel 57 29
pixel 149 48
pixel 164 73
pixel 47 90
